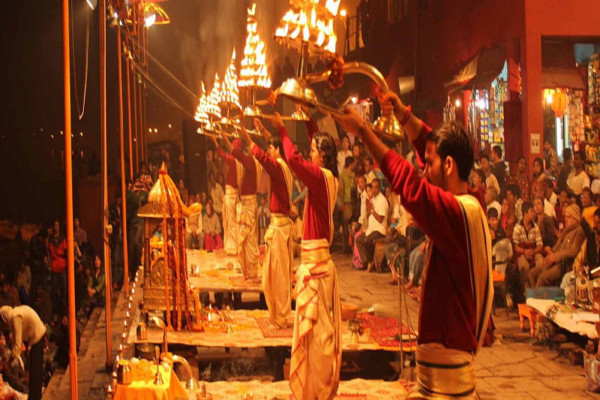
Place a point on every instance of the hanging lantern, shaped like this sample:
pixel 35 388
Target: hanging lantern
pixel 559 103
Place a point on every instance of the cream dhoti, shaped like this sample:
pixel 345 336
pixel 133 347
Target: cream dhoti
pixel 316 358
pixel 247 237
pixel 230 220
pixel 277 269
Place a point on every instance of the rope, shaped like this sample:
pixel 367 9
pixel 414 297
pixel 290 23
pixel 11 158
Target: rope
pixel 158 90
pixel 80 109
pixel 165 69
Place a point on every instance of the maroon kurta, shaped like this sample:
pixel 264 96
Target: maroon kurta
pixel 231 178
pixel 316 217
pixel 249 183
pixel 447 313
pixel 280 199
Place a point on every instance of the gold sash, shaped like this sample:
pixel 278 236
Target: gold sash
pixel 289 179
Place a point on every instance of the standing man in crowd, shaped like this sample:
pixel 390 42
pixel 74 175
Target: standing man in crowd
pixel 528 244
pixel 233 182
pixel 277 269
pixel 457 281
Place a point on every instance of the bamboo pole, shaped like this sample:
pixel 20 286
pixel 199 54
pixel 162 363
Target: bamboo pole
pixel 128 66
pixel 123 183
pixel 104 150
pixel 69 205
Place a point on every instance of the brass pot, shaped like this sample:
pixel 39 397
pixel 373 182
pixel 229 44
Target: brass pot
pixel 142 331
pixel 124 376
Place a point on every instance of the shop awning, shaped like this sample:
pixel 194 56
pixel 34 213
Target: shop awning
pixel 567 78
pixel 480 71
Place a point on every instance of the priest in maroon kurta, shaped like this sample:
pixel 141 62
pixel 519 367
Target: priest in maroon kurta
pixel 316 345
pixel 232 198
pixel 277 265
pixel 457 283
pixel 247 235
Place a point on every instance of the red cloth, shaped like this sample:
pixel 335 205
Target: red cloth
pixel 280 200
pixel 231 178
pixel 249 183
pixel 316 216
pixel 58 260
pixel 212 242
pixel 447 313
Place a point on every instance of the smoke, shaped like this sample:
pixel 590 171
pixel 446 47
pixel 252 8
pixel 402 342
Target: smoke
pixel 206 32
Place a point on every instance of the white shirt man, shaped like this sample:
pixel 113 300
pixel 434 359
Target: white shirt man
pixel 377 211
pixel 218 195
pixel 577 182
pixel 380 206
pixel 578 178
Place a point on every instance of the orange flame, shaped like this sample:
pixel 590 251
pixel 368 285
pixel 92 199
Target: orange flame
pixel 215 98
pixel 313 20
pixel 253 72
pixel 229 89
pixel 202 110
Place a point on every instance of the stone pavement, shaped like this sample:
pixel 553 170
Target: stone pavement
pixel 512 369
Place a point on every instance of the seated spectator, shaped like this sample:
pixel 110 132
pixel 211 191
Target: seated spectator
pixel 539 190
pixel 490 179
pixel 496 230
pixel 501 247
pixel 217 194
pixel 559 260
pixel 564 200
pixel 491 199
pixel 361 227
pixel 95 287
pixel 589 208
pixel 377 211
pixel 520 178
pixel 527 243
pixel 546 224
pixel 416 263
pixel 347 184
pixel 12 371
pixel 578 178
pixel 549 194
pixel 589 254
pixel 538 171
pixel 513 195
pixel 26 326
pixel 194 239
pixel 478 182
pixel 212 229
pixel 507 220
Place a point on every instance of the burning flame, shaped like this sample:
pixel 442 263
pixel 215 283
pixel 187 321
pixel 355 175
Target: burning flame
pixel 313 21
pixel 215 98
pixel 229 90
pixel 202 110
pixel 253 72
